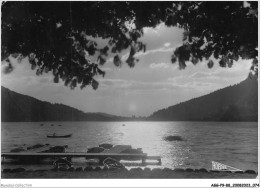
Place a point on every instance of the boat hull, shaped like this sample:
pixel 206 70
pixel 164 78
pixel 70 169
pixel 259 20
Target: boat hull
pixel 59 136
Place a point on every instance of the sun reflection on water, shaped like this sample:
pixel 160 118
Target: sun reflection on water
pixel 234 143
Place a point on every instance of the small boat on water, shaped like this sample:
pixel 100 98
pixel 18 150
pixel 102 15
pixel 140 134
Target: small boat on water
pixel 59 135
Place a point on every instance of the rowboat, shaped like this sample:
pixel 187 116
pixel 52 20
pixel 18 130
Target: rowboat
pixel 111 163
pixel 59 136
pixel 62 162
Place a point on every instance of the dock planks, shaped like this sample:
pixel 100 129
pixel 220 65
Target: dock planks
pixel 119 156
pixel 117 149
pixel 74 154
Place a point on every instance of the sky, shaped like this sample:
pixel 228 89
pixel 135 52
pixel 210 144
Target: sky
pixel 154 83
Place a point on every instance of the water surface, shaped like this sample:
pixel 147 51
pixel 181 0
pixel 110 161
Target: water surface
pixel 231 143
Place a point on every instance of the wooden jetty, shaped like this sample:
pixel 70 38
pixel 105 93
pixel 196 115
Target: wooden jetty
pixel 100 156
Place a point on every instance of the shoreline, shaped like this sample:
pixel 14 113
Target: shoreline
pixel 134 173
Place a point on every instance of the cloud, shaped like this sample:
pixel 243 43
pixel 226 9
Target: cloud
pixel 161 65
pixel 167 44
pixel 221 74
pixel 153 86
pixel 114 87
pixel 149 52
pixel 157 30
pixel 201 75
pixel 163 49
pixel 115 83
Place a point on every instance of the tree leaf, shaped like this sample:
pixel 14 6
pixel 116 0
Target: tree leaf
pixel 182 64
pixel 56 78
pixel 8 68
pixel 222 63
pixel 174 58
pixel 94 84
pixel 130 61
pixel 101 72
pixel 102 60
pixel 194 60
pixel 210 64
pixel 117 61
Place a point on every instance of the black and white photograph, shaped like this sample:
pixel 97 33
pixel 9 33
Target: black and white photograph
pixel 129 91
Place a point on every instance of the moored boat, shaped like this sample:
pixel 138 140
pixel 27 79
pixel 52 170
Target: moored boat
pixel 38 148
pixel 59 135
pixel 112 163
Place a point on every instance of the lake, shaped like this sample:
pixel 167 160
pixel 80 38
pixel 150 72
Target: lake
pixel 231 143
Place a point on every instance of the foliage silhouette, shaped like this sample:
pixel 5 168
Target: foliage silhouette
pixel 60 36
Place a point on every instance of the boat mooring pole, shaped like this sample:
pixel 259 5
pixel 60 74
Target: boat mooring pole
pixel 143 160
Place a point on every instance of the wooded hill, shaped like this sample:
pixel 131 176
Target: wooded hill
pixel 17 107
pixel 234 103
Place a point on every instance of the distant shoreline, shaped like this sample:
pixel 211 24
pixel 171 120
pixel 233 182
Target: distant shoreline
pixel 224 105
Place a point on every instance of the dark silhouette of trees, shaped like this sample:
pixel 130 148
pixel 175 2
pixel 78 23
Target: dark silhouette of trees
pixel 16 107
pixel 60 36
pixel 234 103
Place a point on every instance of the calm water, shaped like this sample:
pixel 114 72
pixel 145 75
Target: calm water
pixel 231 143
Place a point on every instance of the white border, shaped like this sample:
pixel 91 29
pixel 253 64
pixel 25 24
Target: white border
pixel 124 183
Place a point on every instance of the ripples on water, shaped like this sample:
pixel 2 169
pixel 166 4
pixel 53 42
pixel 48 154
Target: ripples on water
pixel 231 143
